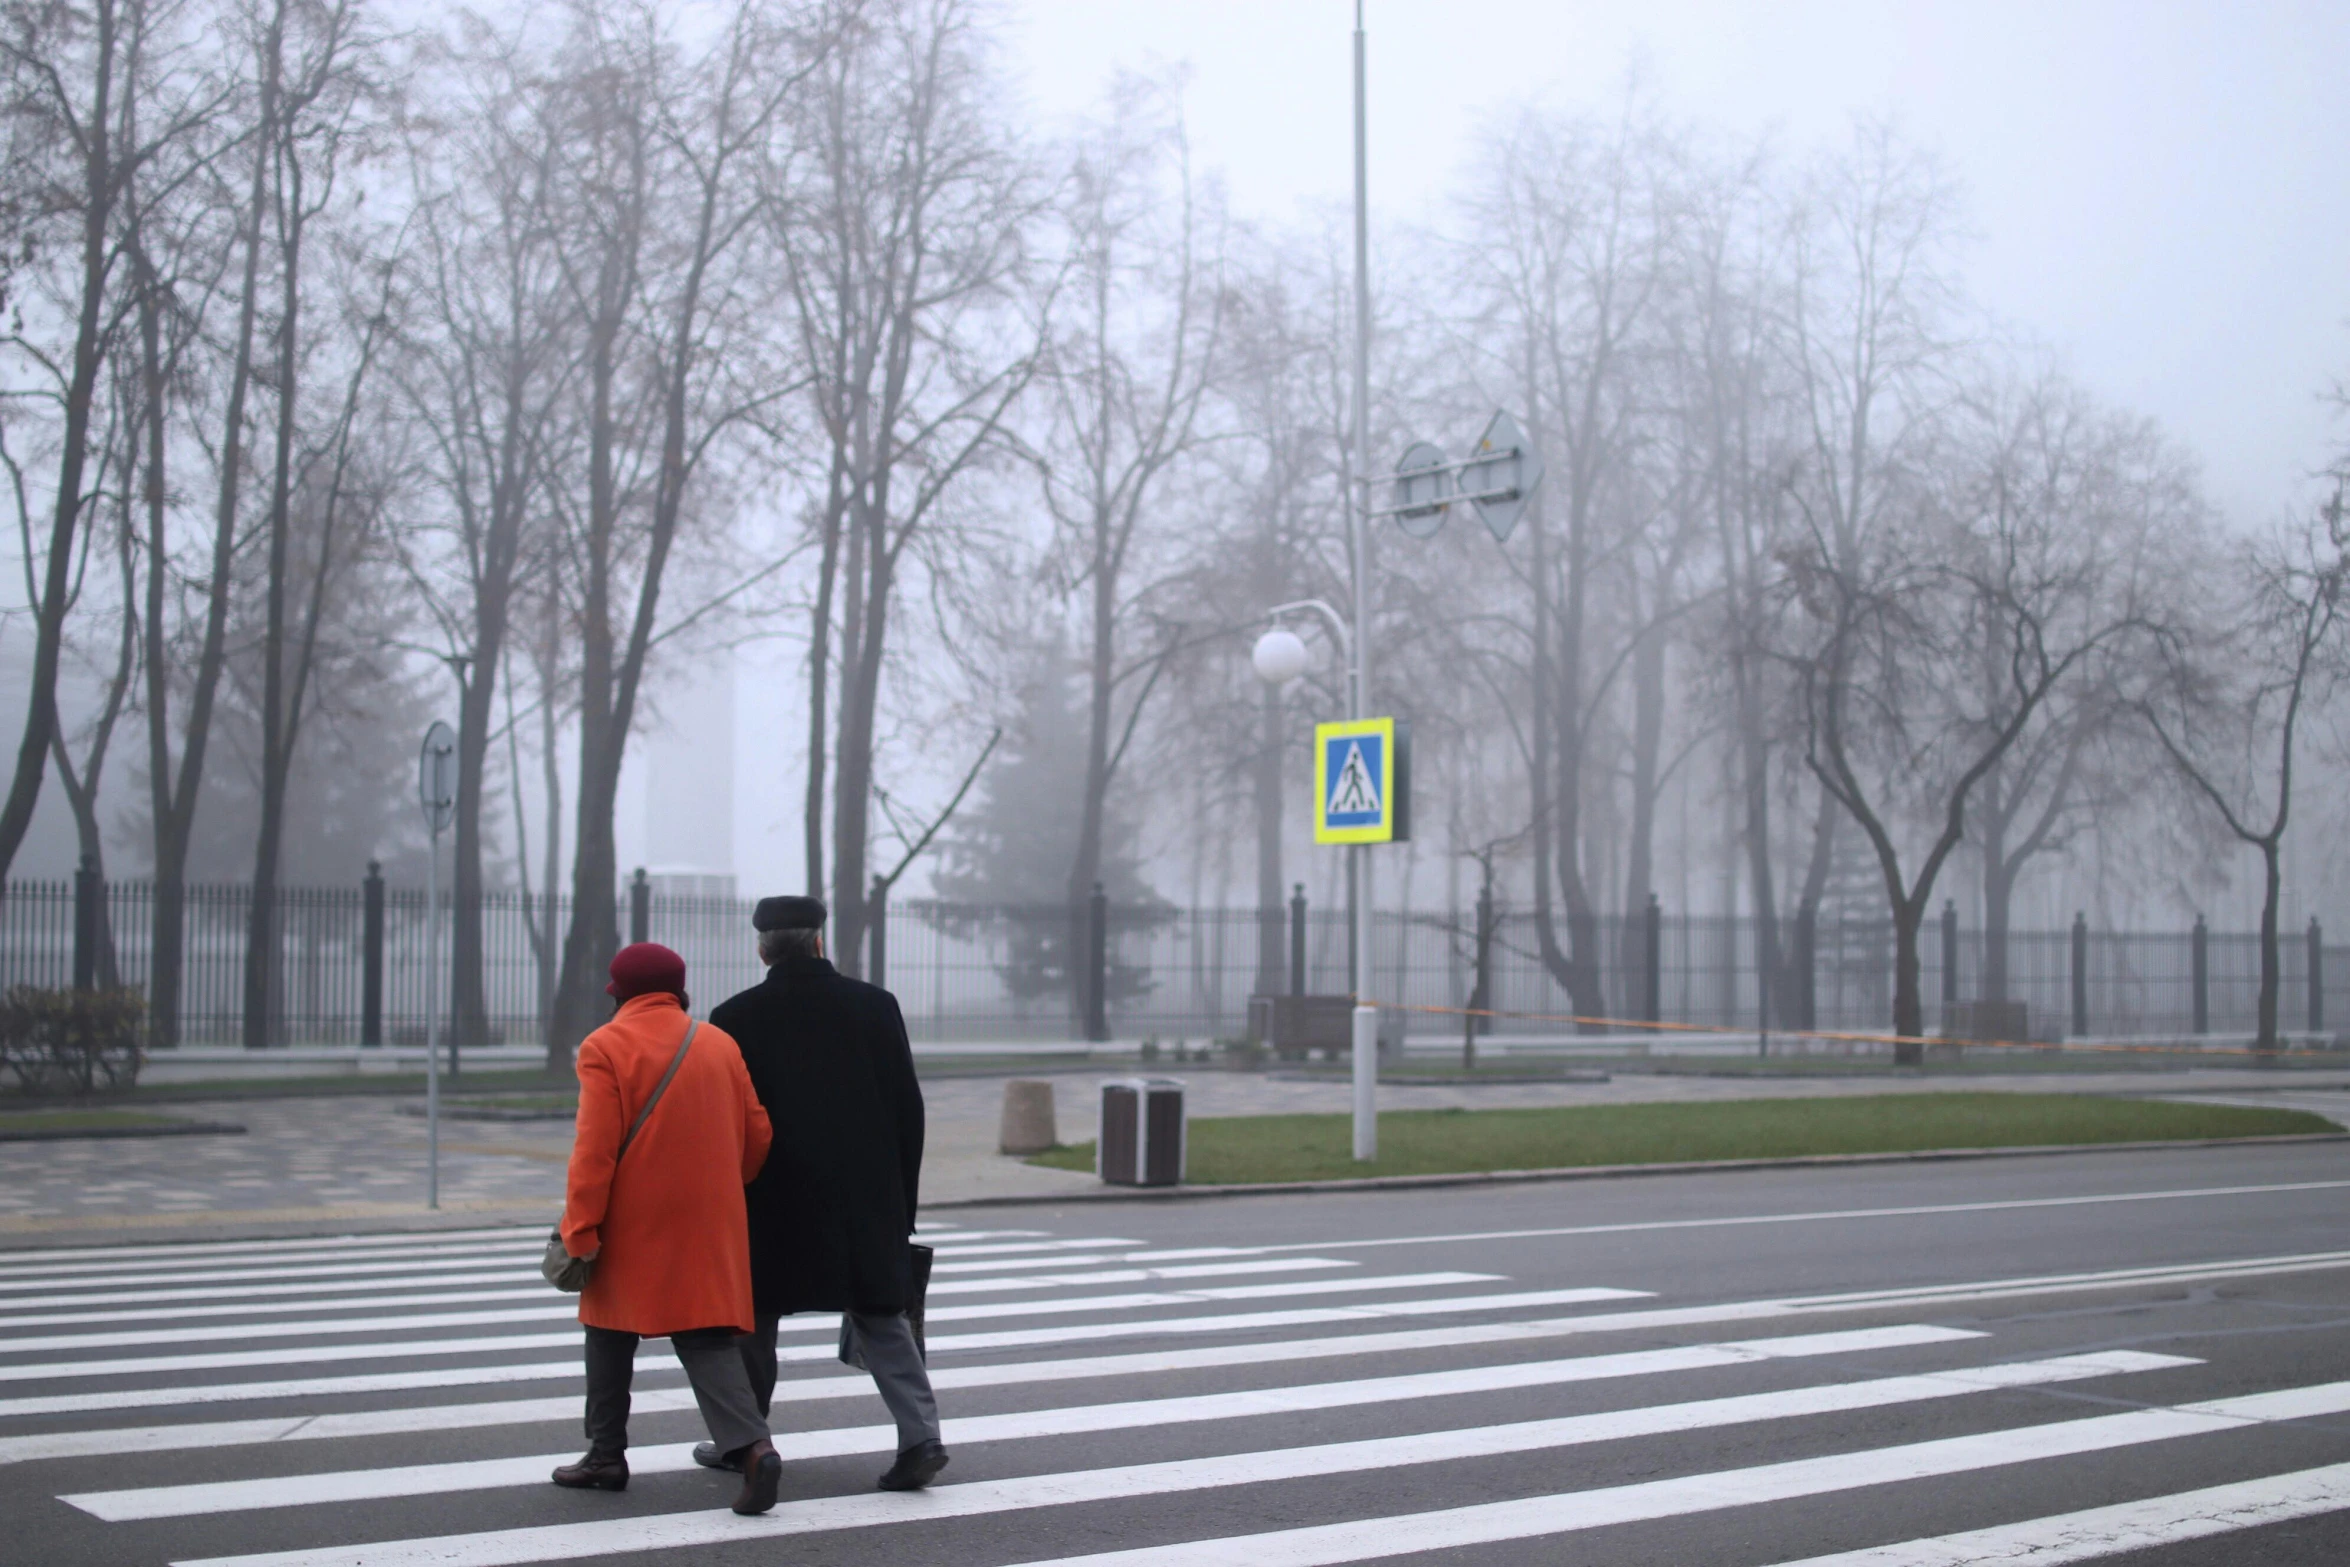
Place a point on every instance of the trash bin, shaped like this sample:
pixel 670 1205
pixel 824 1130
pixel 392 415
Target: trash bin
pixel 1142 1133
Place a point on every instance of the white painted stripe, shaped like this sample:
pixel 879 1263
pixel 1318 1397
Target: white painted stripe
pixel 371 1260
pixel 506 1273
pixel 87 1402
pixel 436 1262
pixel 10 1320
pixel 290 1355
pixel 1824 1216
pixel 559 1309
pixel 2128 1526
pixel 1535 1517
pixel 1696 1493
pixel 167 1251
pixel 567 1309
pixel 958 1249
pixel 1196 1270
pixel 1244 1321
pixel 1611 1322
pixel 527 1411
pixel 268 1308
pixel 353 1485
pixel 940 1270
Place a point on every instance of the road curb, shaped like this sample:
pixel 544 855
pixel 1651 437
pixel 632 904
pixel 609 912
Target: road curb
pixel 1596 1172
pixel 183 1129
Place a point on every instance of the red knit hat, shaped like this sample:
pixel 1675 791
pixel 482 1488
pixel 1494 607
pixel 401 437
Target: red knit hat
pixel 646 968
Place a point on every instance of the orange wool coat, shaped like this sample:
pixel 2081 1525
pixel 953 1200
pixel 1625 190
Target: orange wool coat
pixel 674 1247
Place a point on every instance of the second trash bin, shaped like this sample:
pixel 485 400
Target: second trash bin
pixel 1142 1132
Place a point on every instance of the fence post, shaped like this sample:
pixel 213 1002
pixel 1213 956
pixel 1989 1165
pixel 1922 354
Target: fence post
pixel 1297 939
pixel 1097 966
pixel 2080 975
pixel 371 961
pixel 1652 961
pixel 87 891
pixel 1805 1001
pixel 640 907
pixel 2202 969
pixel 1486 931
pixel 2317 982
pixel 1949 956
pixel 877 934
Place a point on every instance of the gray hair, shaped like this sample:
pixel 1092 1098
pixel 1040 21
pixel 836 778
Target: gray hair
pixel 777 945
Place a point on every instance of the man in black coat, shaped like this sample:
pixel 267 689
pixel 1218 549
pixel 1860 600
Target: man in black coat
pixel 832 1212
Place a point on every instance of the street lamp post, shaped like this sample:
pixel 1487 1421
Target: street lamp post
pixel 1280 657
pixel 1366 1018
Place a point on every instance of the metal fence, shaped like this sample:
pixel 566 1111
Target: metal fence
pixel 966 972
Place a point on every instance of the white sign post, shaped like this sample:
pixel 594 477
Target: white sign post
pixel 436 791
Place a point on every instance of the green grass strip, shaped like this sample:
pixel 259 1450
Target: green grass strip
pixel 1244 1149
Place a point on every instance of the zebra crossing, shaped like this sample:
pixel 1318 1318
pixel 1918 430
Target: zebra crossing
pixel 380 1401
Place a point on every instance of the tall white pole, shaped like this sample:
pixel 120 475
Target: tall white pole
pixel 432 1020
pixel 1366 1019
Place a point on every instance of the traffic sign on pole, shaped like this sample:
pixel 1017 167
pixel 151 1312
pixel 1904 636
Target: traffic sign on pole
pixel 1362 781
pixel 1423 486
pixel 1501 473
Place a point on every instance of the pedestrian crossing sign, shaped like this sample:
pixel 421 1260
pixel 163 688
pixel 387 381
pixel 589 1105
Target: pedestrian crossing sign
pixel 1362 781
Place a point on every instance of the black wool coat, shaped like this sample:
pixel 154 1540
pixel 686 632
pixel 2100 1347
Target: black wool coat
pixel 832 1210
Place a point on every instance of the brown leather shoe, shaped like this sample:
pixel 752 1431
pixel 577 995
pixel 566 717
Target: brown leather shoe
pixel 595 1472
pixel 762 1476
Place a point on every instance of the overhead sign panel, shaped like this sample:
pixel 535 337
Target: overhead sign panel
pixel 1501 473
pixel 1422 486
pixel 1362 781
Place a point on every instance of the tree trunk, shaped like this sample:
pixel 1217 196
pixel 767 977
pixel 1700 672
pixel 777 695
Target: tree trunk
pixel 1909 1007
pixel 820 678
pixel 1998 905
pixel 175 802
pixel 98 195
pixel 261 930
pixel 2271 970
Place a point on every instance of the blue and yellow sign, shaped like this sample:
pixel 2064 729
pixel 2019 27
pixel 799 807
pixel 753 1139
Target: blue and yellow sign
pixel 1362 782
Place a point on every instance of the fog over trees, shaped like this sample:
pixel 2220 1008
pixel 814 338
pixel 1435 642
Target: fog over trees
pixel 365 365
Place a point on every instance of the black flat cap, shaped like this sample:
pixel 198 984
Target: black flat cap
pixel 788 913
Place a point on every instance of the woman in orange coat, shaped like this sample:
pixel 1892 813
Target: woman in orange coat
pixel 665 1224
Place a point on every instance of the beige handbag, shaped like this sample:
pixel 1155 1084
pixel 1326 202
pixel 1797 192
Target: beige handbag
pixel 558 1267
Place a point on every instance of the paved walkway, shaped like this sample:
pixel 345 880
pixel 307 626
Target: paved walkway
pixel 359 1162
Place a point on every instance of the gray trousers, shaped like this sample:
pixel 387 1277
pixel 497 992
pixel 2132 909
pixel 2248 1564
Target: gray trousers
pixel 712 1364
pixel 890 1354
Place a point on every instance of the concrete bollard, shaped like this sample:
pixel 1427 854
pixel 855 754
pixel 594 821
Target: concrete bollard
pixel 1028 1117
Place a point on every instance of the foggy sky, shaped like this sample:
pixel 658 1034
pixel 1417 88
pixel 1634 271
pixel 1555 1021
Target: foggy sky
pixel 2154 186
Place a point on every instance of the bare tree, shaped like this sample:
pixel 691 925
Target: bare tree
pixel 1576 222
pixel 656 191
pixel 2228 705
pixel 1131 361
pixel 901 225
pixel 1893 617
pixel 484 369
pixel 311 137
pixel 73 80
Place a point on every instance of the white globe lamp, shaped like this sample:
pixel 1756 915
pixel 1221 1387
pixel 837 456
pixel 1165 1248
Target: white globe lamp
pixel 1280 657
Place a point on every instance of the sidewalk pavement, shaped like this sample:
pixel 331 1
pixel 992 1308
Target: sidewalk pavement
pixel 336 1164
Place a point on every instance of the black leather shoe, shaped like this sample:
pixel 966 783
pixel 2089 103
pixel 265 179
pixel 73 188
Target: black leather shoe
pixel 916 1467
pixel 707 1455
pixel 595 1473
pixel 762 1475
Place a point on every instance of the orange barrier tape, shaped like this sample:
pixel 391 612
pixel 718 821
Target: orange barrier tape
pixel 1849 1038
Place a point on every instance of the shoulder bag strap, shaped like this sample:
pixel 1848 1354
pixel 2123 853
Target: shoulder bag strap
pixel 661 1087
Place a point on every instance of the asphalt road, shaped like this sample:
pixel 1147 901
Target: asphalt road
pixel 2136 1358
